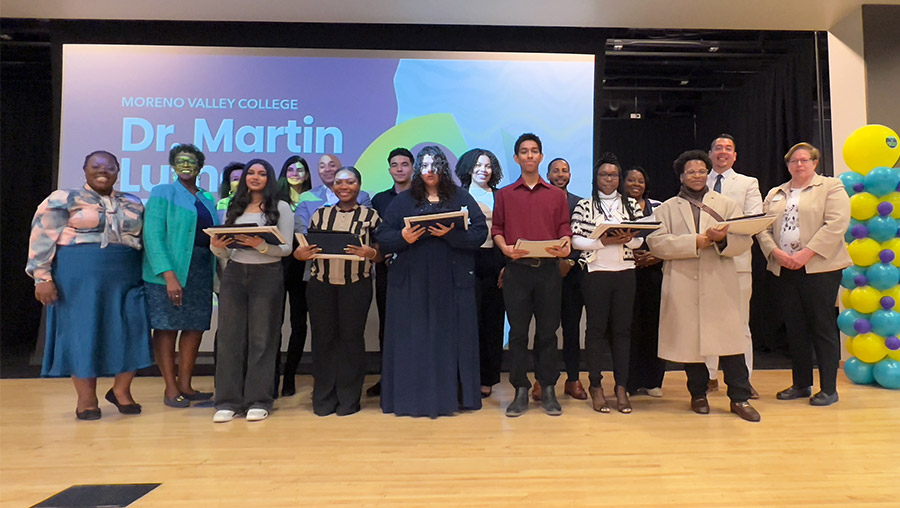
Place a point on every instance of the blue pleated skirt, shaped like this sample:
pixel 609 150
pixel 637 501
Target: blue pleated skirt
pixel 99 326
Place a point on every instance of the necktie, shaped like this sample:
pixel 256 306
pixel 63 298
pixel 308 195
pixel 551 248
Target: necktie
pixel 718 186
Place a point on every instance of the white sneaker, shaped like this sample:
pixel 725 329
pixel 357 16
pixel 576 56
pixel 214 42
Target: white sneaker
pixel 654 392
pixel 223 415
pixel 257 414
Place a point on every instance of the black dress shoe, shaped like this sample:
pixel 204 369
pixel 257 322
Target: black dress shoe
pixel 822 399
pixel 700 405
pixel 125 409
pixel 88 414
pixel 745 411
pixel 793 392
pixel 754 394
pixel 519 404
pixel 374 390
pixel 549 403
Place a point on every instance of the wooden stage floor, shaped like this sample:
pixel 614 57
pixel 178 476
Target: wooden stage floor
pixel 660 455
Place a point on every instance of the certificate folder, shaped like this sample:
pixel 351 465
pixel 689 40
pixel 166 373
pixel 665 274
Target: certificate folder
pixel 638 228
pixel 269 234
pixel 460 218
pixel 538 248
pixel 748 224
pixel 332 243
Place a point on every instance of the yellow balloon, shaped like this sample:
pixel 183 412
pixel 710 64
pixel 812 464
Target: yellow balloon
pixel 871 146
pixel 849 345
pixel 894 245
pixel 863 206
pixel 869 347
pixel 894 354
pixel 864 251
pixel 865 299
pixel 894 199
pixel 894 293
pixel 845 298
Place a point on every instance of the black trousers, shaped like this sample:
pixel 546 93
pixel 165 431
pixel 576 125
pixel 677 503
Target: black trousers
pixel 250 318
pixel 609 301
pixel 295 287
pixel 646 368
pixel 572 308
pixel 491 313
pixel 338 320
pixel 533 292
pixel 807 301
pixel 381 278
pixel 737 377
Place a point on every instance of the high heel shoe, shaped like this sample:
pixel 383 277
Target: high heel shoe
pixel 598 400
pixel 622 400
pixel 125 409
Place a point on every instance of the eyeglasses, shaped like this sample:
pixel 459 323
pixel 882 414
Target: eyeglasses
pixel 702 172
pixel 608 176
pixel 800 161
pixel 185 161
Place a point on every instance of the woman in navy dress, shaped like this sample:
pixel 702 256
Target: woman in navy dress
pixel 430 359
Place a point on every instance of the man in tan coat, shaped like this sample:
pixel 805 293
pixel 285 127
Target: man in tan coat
pixel 700 313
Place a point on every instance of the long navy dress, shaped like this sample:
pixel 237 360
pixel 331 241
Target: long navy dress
pixel 430 361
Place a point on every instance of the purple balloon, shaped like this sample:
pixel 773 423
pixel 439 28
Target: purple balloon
pixel 892 343
pixel 859 231
pixel 859 187
pixel 862 325
pixel 886 256
pixel 887 302
pixel 861 280
pixel 885 209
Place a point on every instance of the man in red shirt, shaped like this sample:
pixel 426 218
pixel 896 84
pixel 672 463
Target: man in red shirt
pixel 532 209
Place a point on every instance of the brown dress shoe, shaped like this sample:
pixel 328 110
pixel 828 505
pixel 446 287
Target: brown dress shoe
pixel 745 411
pixel 575 390
pixel 700 405
pixel 598 400
pixel 713 385
pixel 536 391
pixel 622 401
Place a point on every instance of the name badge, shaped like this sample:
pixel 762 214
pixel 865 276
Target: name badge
pixel 778 197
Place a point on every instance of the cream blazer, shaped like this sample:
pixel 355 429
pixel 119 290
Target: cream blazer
pixel 823 217
pixel 743 190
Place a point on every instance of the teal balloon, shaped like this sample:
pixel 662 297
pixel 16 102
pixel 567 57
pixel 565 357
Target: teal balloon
pixel 882 181
pixel 885 322
pixel 883 229
pixel 887 373
pixel 859 372
pixel 849 275
pixel 850 179
pixel 847 319
pixel 883 276
pixel 848 236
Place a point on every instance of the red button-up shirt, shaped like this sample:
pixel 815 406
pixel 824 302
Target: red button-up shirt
pixel 539 213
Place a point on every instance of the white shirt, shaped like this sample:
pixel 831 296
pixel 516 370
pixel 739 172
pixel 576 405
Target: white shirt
pixel 712 176
pixel 608 258
pixel 790 227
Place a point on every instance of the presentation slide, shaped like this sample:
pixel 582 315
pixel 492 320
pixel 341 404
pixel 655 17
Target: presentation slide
pixel 236 104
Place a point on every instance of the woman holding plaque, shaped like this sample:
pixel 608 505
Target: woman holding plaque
pixel 339 293
pixel 430 360
pixel 178 272
pixel 608 283
pixel 251 296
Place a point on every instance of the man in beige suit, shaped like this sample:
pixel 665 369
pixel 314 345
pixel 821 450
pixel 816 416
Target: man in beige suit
pixel 744 191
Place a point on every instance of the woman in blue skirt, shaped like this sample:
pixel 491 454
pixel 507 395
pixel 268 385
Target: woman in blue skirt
pixel 84 256
pixel 178 272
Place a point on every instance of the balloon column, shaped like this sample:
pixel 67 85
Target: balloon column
pixel 872 285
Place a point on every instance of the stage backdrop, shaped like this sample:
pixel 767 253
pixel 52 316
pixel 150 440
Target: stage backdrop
pixel 241 103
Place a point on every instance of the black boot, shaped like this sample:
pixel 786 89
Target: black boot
pixel 519 404
pixel 549 403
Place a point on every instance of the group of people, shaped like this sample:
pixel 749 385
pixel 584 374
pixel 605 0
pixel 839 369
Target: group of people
pixel 110 270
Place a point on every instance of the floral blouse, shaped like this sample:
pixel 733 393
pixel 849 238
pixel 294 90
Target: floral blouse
pixel 78 216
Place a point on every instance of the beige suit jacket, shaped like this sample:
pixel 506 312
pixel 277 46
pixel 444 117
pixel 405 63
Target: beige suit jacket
pixel 743 190
pixel 823 217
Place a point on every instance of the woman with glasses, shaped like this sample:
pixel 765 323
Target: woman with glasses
pixel 700 313
pixel 608 284
pixel 805 250
pixel 178 272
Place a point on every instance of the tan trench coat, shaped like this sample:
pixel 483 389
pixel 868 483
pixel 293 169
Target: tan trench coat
pixel 700 314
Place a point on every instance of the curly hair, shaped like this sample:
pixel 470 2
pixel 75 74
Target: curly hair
pixel 243 195
pixel 691 155
pixel 466 164
pixel 446 187
pixel 187 148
